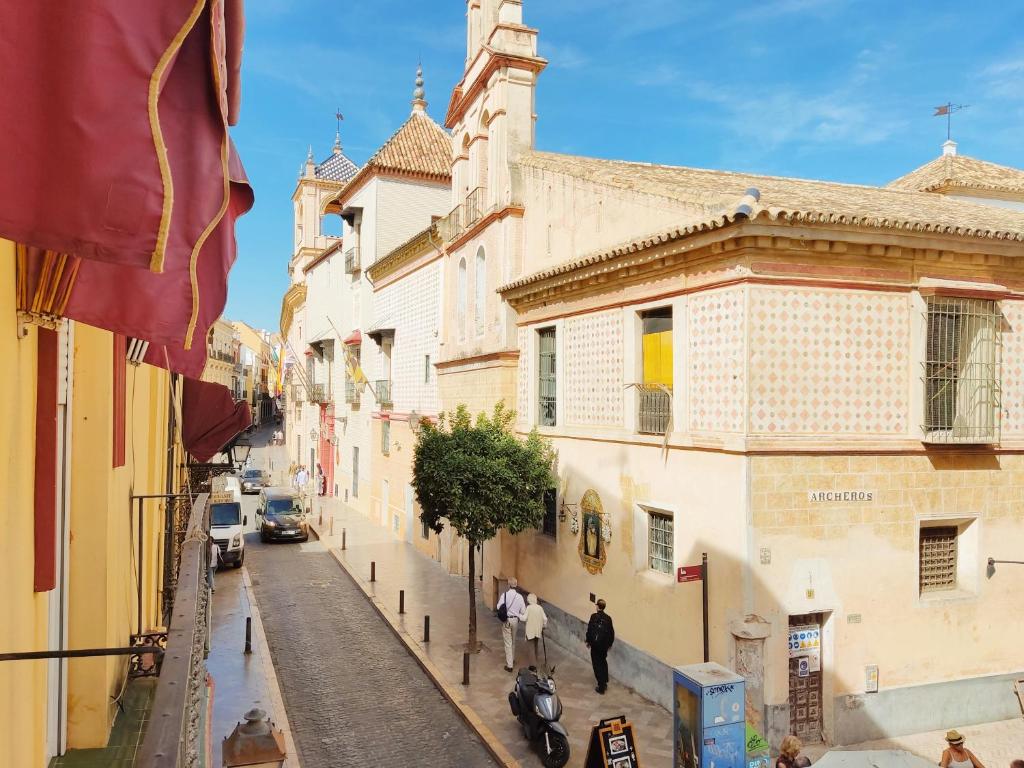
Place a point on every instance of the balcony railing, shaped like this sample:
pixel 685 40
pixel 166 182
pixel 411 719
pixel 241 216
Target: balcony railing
pixel 351 392
pixel 297 393
pixel 176 725
pixel 463 216
pixel 475 206
pixel 654 409
pixel 352 260
pixel 319 393
pixel 383 390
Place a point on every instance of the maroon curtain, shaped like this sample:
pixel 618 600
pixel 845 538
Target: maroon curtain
pixel 210 418
pixel 112 116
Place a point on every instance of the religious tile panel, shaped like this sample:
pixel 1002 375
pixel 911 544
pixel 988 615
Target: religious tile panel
pixel 829 362
pixel 594 369
pixel 716 363
pixel 1013 367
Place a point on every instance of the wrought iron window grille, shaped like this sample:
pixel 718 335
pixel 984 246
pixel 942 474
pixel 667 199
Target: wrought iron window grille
pixel 962 370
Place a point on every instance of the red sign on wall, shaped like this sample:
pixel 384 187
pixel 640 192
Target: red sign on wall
pixel 688 573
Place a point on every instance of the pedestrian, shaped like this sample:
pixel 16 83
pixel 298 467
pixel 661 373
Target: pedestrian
pixel 514 609
pixel 803 761
pixel 789 752
pixel 600 636
pixel 320 480
pixel 956 755
pixel 215 560
pixel 302 479
pixel 536 622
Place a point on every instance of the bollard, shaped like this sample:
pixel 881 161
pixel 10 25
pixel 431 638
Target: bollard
pixel 248 634
pixel 373 571
pixel 342 538
pixel 465 668
pixel 401 601
pixel 426 629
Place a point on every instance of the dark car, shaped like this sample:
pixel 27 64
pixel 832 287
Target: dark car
pixel 280 516
pixel 253 480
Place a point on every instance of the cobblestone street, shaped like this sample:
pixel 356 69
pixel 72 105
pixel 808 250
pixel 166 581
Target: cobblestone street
pixel 354 695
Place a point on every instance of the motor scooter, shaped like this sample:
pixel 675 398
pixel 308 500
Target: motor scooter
pixel 535 704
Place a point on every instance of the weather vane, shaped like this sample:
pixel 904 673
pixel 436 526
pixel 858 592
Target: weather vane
pixel 948 109
pixel 340 118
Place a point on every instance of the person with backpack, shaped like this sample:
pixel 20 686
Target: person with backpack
pixel 600 636
pixel 511 609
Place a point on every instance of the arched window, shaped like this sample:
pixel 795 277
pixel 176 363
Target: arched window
pixel 480 297
pixel 462 299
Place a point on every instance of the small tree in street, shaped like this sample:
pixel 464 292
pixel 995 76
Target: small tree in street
pixel 479 477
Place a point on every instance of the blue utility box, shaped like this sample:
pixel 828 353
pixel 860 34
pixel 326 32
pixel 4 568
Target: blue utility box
pixel 709 717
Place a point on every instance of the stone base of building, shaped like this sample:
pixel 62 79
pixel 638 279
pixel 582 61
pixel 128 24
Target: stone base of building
pixel 914 709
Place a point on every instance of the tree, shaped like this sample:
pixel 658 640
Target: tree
pixel 478 477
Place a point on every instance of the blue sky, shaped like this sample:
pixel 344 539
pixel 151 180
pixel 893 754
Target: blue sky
pixel 831 89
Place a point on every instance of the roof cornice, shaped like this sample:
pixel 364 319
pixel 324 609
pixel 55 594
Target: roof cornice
pixel 461 98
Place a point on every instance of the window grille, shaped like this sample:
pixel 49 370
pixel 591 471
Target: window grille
pixel 547 397
pixel 659 542
pixel 938 547
pixel 426 369
pixel 385 437
pixel 550 523
pixel 962 371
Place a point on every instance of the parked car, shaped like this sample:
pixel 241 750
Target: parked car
pixel 280 515
pixel 253 481
pixel 227 528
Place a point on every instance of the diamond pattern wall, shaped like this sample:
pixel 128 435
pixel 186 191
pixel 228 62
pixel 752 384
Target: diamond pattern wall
pixel 716 348
pixel 594 369
pixel 828 361
pixel 1013 367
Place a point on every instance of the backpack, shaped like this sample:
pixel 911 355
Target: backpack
pixel 503 609
pixel 601 634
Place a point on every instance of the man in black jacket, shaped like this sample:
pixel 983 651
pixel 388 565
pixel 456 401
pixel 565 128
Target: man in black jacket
pixel 600 636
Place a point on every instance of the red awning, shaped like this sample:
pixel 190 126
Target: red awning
pixel 112 120
pixel 353 338
pixel 114 150
pixel 211 418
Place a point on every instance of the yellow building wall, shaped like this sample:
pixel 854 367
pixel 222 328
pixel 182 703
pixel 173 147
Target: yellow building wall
pixel 24 613
pixel 704 493
pixel 861 560
pixel 396 468
pixel 104 560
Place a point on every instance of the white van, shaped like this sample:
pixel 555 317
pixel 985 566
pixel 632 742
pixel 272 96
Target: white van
pixel 227 527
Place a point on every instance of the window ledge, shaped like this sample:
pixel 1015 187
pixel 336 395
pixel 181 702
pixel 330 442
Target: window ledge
pixel 947 596
pixel 657 577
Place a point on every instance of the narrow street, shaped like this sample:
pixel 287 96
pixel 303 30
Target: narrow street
pixel 353 694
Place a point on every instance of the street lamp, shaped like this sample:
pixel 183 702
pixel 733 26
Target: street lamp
pixel 239 451
pixel 313 434
pixel 990 571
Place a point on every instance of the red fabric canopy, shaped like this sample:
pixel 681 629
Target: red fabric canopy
pixel 113 125
pixel 353 338
pixel 210 418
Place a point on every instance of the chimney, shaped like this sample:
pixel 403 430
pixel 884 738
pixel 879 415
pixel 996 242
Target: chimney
pixel 949 147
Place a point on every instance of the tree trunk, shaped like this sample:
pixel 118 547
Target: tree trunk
pixel 472 647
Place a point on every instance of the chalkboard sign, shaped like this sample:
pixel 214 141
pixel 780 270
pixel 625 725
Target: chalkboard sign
pixel 612 745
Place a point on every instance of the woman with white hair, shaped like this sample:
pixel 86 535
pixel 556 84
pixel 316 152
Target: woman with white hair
pixel 536 622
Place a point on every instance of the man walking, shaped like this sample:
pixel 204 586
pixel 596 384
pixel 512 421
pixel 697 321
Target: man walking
pixel 512 605
pixel 600 636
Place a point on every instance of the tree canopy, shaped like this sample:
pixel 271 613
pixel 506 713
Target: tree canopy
pixel 479 476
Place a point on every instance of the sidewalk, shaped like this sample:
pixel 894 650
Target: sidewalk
pixel 995 744
pixel 429 590
pixel 241 681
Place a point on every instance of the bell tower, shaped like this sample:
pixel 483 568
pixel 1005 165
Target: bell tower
pixel 491 111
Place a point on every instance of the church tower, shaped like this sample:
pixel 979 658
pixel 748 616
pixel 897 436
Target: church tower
pixel 491 111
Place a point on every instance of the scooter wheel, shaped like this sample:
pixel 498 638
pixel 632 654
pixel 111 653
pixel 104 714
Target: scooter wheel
pixel 559 754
